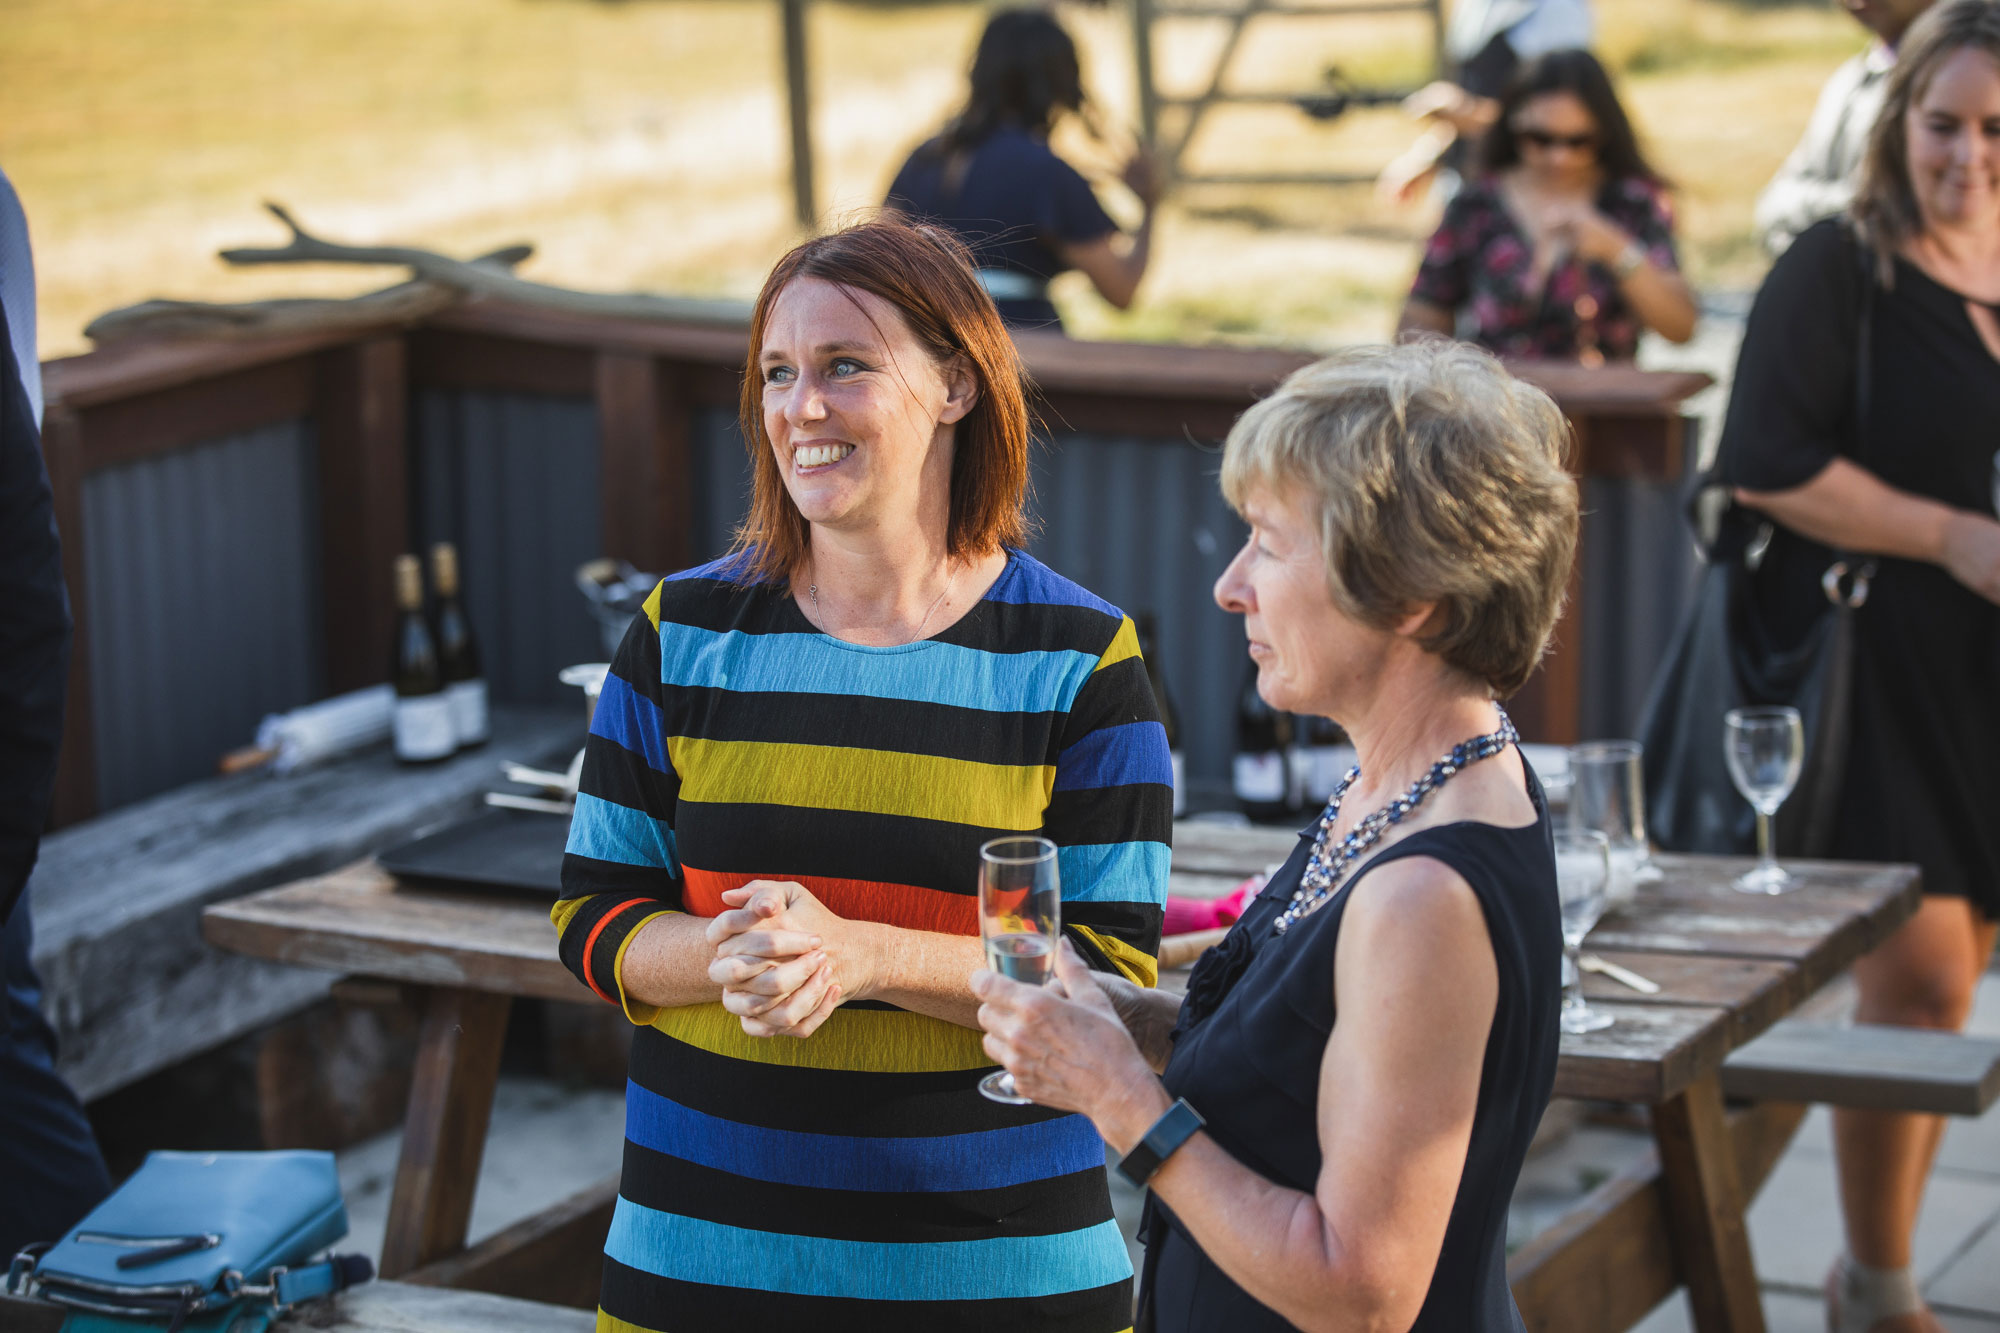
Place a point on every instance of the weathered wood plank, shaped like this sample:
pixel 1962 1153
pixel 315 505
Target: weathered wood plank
pixel 118 899
pixel 553 1256
pixel 404 1307
pixel 1230 849
pixel 1868 1066
pixel 1757 992
pixel 1705 1202
pixel 357 920
pixel 444 1134
pixel 361 412
pixel 1651 1053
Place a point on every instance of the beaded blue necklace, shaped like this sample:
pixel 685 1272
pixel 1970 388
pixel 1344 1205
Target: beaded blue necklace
pixel 1329 863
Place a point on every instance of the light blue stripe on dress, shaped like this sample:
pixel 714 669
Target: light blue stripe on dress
pixel 924 672
pixel 606 831
pixel 980 1160
pixel 1115 872
pixel 687 1249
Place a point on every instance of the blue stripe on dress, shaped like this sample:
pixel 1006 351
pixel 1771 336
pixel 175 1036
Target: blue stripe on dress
pixel 1116 756
pixel 687 1249
pixel 632 720
pixel 606 831
pixel 1114 872
pixel 984 1159
pixel 926 672
pixel 1029 582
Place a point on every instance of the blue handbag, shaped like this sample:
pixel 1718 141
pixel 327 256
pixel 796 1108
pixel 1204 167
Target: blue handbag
pixel 199 1241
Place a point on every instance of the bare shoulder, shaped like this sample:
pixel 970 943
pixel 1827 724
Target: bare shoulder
pixel 1417 902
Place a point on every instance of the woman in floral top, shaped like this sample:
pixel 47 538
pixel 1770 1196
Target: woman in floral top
pixel 1562 247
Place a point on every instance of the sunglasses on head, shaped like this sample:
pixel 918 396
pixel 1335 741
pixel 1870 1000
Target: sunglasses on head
pixel 1544 139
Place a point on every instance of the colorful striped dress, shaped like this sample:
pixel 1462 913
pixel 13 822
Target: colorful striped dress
pixel 856 1179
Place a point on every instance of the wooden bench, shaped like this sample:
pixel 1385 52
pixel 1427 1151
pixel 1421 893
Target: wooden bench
pixel 1867 1066
pixel 376 1307
pixel 130 986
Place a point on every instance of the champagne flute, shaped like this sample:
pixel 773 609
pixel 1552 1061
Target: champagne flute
pixel 1765 749
pixel 1583 880
pixel 1020 919
pixel 1608 794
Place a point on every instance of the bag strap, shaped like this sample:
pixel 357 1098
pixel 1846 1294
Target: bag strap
pixel 336 1272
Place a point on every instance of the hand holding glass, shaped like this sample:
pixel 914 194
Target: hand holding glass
pixel 1020 919
pixel 1765 748
pixel 1583 877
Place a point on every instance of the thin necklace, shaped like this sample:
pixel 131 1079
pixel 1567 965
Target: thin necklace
pixel 820 615
pixel 1328 864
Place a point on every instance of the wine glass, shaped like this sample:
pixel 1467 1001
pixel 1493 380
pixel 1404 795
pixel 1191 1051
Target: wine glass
pixel 1607 793
pixel 1765 749
pixel 1020 918
pixel 1583 880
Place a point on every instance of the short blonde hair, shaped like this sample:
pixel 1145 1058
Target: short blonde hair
pixel 1438 477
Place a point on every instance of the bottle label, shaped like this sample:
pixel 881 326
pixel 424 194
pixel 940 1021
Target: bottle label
pixel 1260 777
pixel 423 728
pixel 1180 784
pixel 468 710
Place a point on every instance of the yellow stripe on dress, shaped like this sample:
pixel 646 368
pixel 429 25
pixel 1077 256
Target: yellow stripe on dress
pixel 611 1323
pixel 651 605
pixel 1139 966
pixel 882 782
pixel 872 1041
pixel 1124 644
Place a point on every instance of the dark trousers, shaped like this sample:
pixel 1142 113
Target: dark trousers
pixel 51 1172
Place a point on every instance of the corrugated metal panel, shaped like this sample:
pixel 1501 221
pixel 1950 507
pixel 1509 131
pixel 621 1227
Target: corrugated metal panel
pixel 1638 574
pixel 513 479
pixel 204 603
pixel 721 481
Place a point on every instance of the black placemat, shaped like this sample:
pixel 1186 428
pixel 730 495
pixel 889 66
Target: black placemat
pixel 512 851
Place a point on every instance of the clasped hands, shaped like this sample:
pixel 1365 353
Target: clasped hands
pixel 784 960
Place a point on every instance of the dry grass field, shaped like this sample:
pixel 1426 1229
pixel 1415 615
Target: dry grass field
pixel 640 143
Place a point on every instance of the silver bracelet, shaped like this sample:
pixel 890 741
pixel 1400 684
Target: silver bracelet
pixel 1630 260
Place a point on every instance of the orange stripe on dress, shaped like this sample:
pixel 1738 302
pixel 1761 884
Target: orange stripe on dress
pixel 590 944
pixel 903 905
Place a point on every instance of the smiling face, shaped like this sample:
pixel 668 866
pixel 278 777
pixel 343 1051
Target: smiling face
pixel 1557 136
pixel 1953 138
pixel 1310 655
pixel 858 412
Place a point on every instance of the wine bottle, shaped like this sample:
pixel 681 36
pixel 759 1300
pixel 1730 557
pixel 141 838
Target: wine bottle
pixel 1149 651
pixel 1327 757
pixel 1261 772
pixel 422 729
pixel 458 651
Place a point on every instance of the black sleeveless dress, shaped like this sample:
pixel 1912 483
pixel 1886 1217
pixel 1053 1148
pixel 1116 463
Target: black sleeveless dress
pixel 1252 1037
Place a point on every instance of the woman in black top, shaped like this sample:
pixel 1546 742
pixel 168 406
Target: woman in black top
pixel 991 176
pixel 1373 1044
pixel 1913 485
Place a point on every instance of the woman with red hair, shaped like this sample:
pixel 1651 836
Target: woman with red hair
pixel 796 757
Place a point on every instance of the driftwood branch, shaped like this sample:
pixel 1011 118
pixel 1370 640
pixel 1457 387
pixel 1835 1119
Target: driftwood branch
pixel 436 283
pixel 485 280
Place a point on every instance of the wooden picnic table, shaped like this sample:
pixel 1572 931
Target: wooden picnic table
pixel 1729 965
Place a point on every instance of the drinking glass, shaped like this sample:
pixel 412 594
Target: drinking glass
pixel 1020 919
pixel 1607 793
pixel 1765 748
pixel 1583 879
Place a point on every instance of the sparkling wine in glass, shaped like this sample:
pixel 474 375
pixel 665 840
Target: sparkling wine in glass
pixel 1020 920
pixel 1607 793
pixel 1765 748
pixel 1583 880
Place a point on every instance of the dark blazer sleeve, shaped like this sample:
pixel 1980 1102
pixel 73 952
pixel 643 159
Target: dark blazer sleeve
pixel 34 635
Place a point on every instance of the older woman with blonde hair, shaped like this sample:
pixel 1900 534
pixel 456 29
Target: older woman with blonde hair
pixel 1863 422
pixel 1333 1120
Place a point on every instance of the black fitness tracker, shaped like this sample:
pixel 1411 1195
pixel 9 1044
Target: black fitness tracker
pixel 1162 1141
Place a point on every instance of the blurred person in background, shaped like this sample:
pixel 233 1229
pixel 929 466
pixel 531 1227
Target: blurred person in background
pixel 1372 1045
pixel 1912 486
pixel 1485 43
pixel 1817 179
pixel 991 176
pixel 1562 246
pixel 772 869
pixel 51 1172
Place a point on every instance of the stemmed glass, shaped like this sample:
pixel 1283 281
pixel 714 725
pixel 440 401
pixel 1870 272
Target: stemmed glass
pixel 1765 749
pixel 1583 878
pixel 1607 793
pixel 1020 919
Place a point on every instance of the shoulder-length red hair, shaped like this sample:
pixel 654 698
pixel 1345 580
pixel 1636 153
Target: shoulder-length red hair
pixel 926 274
